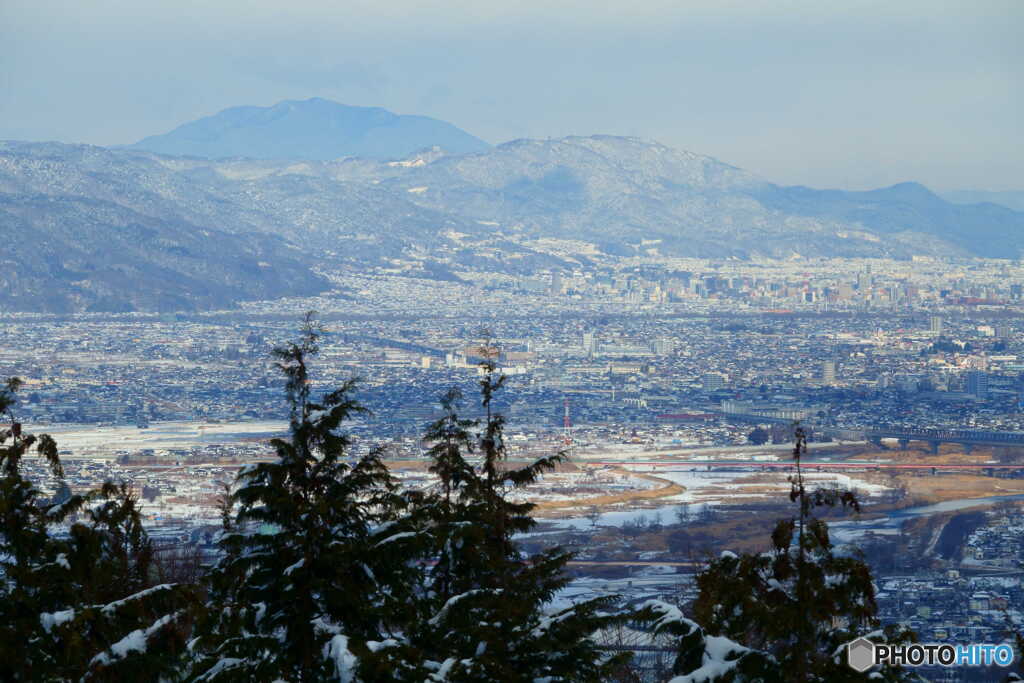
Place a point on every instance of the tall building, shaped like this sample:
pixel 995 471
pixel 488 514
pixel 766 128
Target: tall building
pixel 977 383
pixel 712 381
pixel 663 346
pixel 935 324
pixel 589 343
pixel 556 284
pixel 828 372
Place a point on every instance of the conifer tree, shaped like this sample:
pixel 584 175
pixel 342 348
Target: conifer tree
pixel 451 442
pixel 79 605
pixel 786 614
pixel 489 612
pixel 703 658
pixel 314 578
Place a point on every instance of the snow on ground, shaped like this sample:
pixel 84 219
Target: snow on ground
pixel 554 486
pixel 719 486
pixel 663 514
pixel 704 488
pixel 100 440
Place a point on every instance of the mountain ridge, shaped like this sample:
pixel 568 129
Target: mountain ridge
pixel 495 210
pixel 1011 199
pixel 315 129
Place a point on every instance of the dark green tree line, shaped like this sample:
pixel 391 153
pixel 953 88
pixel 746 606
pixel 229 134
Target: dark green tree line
pixel 79 604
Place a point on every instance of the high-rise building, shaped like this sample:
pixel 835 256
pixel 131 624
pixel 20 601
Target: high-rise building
pixel 828 372
pixel 556 284
pixel 935 324
pixel 712 381
pixel 663 346
pixel 977 383
pixel 589 343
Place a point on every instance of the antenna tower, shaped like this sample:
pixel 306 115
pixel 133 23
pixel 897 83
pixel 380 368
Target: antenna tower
pixel 566 424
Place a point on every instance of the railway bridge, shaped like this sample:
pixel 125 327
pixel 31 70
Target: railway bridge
pixel 968 438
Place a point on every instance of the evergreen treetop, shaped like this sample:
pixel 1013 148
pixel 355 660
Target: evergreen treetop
pixel 78 604
pixel 303 590
pixel 489 611
pixel 788 612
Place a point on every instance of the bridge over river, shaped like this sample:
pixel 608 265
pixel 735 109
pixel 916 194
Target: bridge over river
pixel 968 438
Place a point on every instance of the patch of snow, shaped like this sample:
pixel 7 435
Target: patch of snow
pixel 221 666
pixel 113 606
pixel 410 163
pixel 51 619
pixel 136 641
pixel 395 537
pixel 443 612
pixel 345 662
pixel 444 669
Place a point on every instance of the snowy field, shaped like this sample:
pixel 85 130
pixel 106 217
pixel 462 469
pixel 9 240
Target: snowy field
pixel 553 487
pixel 189 494
pixel 99 441
pixel 707 488
pixel 719 487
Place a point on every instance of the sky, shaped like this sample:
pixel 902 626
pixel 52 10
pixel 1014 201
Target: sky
pixel 826 93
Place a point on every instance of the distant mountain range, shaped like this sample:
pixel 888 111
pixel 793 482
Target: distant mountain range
pixel 1013 199
pixel 90 228
pixel 310 129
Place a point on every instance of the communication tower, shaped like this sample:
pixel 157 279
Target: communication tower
pixel 566 425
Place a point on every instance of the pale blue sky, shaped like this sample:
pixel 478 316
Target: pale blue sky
pixel 823 93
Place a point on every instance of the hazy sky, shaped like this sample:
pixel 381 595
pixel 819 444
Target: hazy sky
pixel 841 93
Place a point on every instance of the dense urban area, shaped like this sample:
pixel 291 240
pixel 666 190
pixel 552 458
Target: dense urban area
pixel 672 384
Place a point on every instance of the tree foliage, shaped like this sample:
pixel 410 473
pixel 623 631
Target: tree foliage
pixel 488 610
pixel 796 605
pixel 303 589
pixel 759 436
pixel 78 605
